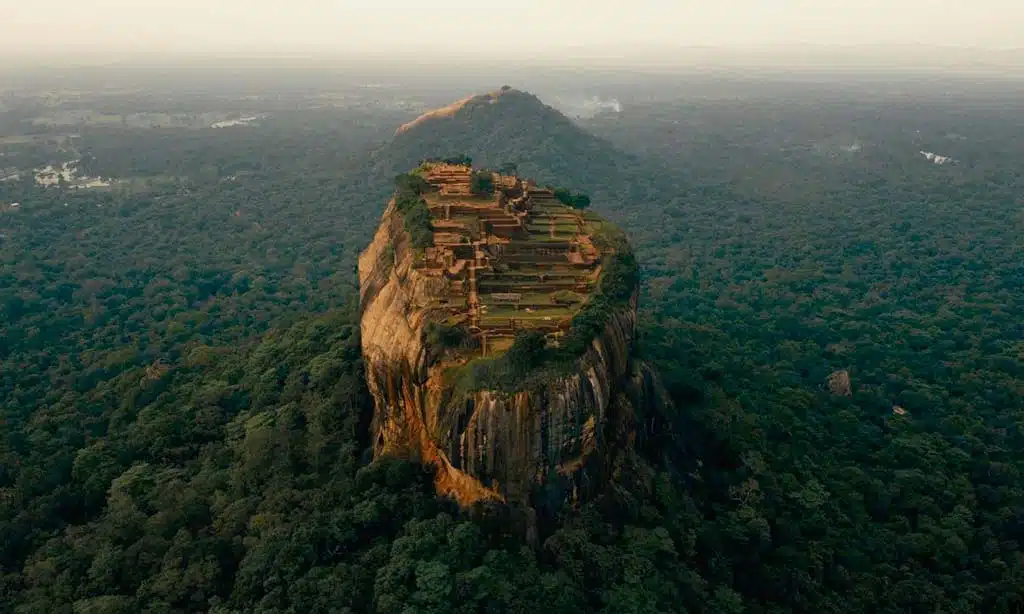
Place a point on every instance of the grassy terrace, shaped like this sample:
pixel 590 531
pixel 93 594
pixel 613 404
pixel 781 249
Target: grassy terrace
pixel 567 224
pixel 542 233
pixel 545 268
pixel 501 316
pixel 521 281
pixel 545 279
pixel 499 285
pixel 530 299
pixel 436 198
pixel 529 275
pixel 547 238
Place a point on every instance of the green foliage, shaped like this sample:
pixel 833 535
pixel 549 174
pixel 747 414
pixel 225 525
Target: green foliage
pixel 570 198
pixel 566 297
pixel 619 280
pixel 481 183
pixel 416 218
pixel 526 351
pixel 411 184
pixel 415 213
pixel 456 160
pixel 519 368
pixel 821 256
pixel 444 337
pixel 460 160
pixel 182 432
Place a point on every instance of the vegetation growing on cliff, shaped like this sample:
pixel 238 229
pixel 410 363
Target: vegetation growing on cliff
pixel 481 183
pixel 526 364
pixel 456 160
pixel 409 190
pixel 440 338
pixel 571 198
pixel 619 282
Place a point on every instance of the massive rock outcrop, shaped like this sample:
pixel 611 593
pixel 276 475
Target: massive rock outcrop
pixel 549 434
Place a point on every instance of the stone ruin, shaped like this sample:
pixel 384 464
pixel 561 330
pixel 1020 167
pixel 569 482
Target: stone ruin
pixel 517 259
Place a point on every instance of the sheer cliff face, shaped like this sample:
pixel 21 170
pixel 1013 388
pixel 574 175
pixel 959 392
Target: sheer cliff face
pixel 486 445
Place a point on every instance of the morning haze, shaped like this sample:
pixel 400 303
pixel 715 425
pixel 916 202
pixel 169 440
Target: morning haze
pixel 581 29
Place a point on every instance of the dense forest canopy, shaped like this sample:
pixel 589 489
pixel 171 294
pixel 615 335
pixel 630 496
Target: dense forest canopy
pixel 184 411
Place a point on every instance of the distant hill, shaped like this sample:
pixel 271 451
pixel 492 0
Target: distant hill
pixel 511 126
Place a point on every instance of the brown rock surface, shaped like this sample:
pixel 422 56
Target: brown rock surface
pixel 486 444
pixel 447 110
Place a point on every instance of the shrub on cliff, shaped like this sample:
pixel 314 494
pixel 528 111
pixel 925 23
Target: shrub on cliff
pixel 618 281
pixel 456 160
pixel 576 200
pixel 460 159
pixel 444 336
pixel 481 183
pixel 581 201
pixel 409 189
pixel 411 183
pixel 416 219
pixel 509 371
pixel 528 350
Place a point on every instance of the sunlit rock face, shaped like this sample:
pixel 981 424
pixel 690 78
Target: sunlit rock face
pixel 554 440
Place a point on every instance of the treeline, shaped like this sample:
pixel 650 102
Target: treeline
pixel 238 482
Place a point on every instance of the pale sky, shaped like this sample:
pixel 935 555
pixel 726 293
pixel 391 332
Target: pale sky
pixel 534 26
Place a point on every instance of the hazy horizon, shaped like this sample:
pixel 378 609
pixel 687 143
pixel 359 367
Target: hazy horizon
pixel 536 30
